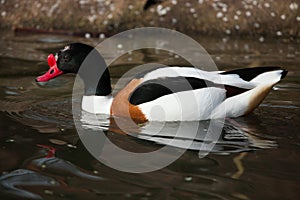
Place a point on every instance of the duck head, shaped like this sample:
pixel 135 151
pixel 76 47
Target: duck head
pixel 71 58
pixel 67 60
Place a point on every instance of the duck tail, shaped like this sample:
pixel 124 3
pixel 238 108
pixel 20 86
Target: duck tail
pixel 260 75
pixel 264 78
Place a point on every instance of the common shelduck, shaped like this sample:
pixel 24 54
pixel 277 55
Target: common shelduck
pixel 167 93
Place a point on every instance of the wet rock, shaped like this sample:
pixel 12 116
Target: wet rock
pixel 253 18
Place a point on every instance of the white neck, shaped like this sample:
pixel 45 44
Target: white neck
pixel 97 104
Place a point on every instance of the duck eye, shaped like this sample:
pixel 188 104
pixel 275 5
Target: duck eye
pixel 67 58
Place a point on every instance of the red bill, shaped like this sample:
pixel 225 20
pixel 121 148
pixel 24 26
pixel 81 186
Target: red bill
pixel 52 72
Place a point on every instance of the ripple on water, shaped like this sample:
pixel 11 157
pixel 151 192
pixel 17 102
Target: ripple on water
pixel 46 116
pixel 180 135
pixel 52 116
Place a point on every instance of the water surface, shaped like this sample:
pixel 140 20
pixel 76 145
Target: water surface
pixel 42 156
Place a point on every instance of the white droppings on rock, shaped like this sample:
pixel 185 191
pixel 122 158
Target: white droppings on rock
pixel 159 7
pixel 283 16
pixel 228 31
pixel 293 6
pixel 261 39
pixel 110 16
pixel 238 12
pixel 279 33
pixel 87 35
pixel 298 18
pixel 101 12
pixel 82 2
pixel 152 10
pixel 224 40
pixel 225 19
pixel 102 36
pixel 107 3
pixel 174 2
pixel 237 27
pixel 3 13
pixel 267 5
pixel 248 13
pixel 119 46
pixel 256 25
pixel 174 20
pixel 235 17
pixel 222 5
pixel 112 7
pixel 188 4
pixel 273 14
pixel 215 6
pixel 130 7
pixel 161 10
pixel 219 15
pixel 192 10
pixel 92 18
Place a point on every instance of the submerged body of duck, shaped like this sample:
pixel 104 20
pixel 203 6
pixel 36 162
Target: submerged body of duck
pixel 167 93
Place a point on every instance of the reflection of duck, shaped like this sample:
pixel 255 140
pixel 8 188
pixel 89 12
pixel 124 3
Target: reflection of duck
pixel 40 172
pixel 165 94
pixel 216 136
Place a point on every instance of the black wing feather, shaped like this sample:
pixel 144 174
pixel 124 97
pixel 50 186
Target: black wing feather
pixel 248 74
pixel 153 89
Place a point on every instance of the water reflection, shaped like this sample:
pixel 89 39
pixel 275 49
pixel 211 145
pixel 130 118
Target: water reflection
pixel 10 183
pixel 235 137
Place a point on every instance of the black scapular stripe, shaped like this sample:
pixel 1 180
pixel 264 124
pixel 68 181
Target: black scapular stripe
pixel 233 91
pixel 248 74
pixel 153 89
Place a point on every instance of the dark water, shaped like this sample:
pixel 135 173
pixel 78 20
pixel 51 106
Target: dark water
pixel 42 157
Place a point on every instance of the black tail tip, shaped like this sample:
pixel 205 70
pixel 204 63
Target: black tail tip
pixel 283 73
